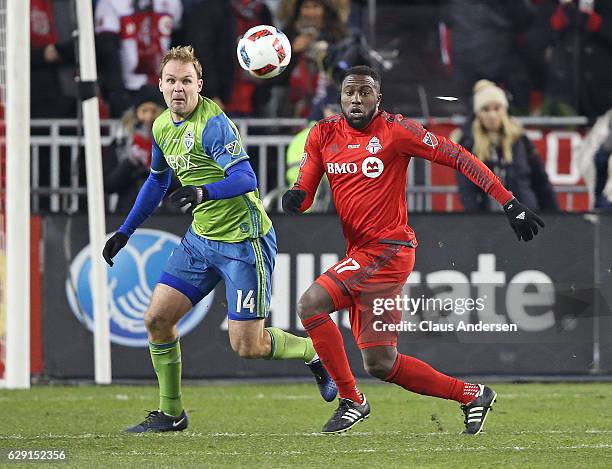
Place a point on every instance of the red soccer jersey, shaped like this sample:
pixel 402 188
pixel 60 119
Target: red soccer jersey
pixel 367 172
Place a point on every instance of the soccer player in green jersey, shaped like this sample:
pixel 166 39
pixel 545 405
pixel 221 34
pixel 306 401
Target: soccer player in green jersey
pixel 231 238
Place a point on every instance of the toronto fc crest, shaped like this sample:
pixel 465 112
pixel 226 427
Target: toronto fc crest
pixel 374 145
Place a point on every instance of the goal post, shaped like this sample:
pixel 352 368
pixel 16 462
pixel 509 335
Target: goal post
pixel 15 213
pixel 17 118
pixel 95 191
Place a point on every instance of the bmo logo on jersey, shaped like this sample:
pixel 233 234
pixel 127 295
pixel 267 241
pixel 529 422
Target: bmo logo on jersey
pixel 371 167
pixel 342 168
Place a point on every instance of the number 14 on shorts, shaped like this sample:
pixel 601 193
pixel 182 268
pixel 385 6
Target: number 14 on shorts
pixel 247 303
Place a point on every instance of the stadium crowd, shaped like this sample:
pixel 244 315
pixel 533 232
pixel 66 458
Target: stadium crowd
pixel 546 57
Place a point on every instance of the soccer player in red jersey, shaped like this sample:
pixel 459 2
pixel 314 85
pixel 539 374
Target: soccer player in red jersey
pixel 365 154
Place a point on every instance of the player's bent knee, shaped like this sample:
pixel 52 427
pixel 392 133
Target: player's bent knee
pixel 378 370
pixel 304 307
pixel 379 361
pixel 314 301
pixel 157 321
pixel 249 339
pixel 247 349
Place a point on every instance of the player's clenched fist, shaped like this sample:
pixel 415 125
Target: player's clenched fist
pixel 114 244
pixel 523 221
pixel 292 200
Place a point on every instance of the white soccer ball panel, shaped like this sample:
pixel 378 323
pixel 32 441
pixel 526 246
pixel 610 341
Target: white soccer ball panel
pixel 264 51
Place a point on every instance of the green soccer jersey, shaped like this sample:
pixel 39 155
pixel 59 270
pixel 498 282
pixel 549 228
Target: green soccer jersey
pixel 199 150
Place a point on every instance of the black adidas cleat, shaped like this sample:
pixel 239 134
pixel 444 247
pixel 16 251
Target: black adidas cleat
pixel 476 411
pixel 157 421
pixel 326 384
pixel 346 415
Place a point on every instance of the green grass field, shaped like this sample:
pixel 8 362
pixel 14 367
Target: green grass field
pixel 276 425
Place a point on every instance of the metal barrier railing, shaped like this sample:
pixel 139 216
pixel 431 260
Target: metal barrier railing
pixel 58 177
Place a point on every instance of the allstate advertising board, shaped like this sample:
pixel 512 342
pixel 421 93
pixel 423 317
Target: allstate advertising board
pixel 477 302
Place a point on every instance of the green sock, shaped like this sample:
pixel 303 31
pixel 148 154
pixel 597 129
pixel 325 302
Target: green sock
pixel 286 346
pixel 166 360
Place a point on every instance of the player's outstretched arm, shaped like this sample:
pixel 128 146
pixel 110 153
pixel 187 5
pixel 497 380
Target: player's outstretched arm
pixel 522 220
pixel 413 140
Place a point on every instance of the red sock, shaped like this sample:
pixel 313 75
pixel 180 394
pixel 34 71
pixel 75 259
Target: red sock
pixel 328 343
pixel 417 376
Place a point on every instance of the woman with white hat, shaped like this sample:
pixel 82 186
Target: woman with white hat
pixel 500 142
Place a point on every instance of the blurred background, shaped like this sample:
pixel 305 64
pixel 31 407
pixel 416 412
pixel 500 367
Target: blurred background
pixel 551 58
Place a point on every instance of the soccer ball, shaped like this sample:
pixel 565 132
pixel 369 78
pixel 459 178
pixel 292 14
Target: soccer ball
pixel 264 51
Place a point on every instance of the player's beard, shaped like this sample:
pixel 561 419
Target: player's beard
pixel 359 123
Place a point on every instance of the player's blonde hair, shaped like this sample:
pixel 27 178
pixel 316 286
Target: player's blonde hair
pixel 184 54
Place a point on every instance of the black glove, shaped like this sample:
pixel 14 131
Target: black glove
pixel 114 244
pixel 292 200
pixel 522 220
pixel 189 197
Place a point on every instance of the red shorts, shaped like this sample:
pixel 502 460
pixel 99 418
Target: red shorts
pixel 363 280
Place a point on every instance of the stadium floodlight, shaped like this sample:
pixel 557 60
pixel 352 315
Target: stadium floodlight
pixel 17 117
pixel 95 191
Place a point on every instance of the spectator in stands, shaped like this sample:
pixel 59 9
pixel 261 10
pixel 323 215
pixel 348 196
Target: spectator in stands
pixel 500 142
pixel 47 57
pixel 286 10
pixel 595 161
pixel 249 96
pixel 314 28
pixel 127 159
pixel 580 64
pixel 131 38
pixel 484 45
pixel 211 30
